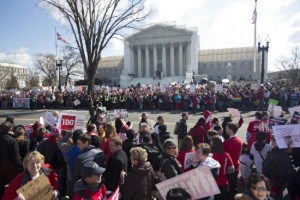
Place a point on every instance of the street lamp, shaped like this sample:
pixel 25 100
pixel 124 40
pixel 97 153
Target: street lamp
pixel 263 49
pixel 59 67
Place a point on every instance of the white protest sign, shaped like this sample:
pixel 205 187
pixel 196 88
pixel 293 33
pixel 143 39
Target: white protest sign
pixel 42 121
pixel 162 88
pixel 254 86
pixel 50 119
pixel 218 88
pixel 189 159
pixel 198 183
pixel 287 134
pixel 77 102
pixel 234 112
pixel 192 88
pixel 294 109
pixel 277 111
pixel 71 122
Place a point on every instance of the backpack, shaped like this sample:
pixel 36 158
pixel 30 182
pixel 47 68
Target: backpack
pixel 176 129
pixel 154 155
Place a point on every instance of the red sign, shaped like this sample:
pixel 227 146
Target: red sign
pixel 67 122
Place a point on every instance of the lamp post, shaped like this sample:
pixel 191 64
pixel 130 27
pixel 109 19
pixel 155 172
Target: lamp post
pixel 263 49
pixel 59 67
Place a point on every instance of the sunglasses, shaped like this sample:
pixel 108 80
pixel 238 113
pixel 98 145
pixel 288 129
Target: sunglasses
pixel 264 189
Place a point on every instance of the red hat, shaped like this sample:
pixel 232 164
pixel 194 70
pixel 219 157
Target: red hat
pixel 206 114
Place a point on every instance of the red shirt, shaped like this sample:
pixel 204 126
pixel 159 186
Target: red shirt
pixel 99 195
pixel 226 162
pixel 233 146
pixel 258 126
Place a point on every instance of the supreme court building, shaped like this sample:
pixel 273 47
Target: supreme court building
pixel 164 53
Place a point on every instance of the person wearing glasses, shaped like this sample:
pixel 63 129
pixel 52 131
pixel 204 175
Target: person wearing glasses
pixel 257 188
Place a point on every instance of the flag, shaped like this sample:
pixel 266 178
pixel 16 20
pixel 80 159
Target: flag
pixel 61 38
pixel 254 16
pixel 115 195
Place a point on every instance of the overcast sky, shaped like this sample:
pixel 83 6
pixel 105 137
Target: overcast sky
pixel 26 29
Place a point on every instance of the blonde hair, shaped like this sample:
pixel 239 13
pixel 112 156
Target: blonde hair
pixel 33 155
pixel 139 154
pixel 20 133
pixel 110 129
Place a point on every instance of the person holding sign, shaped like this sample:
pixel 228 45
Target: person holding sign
pixel 34 166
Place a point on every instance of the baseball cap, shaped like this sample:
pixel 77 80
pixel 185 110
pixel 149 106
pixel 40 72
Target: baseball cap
pixel 91 168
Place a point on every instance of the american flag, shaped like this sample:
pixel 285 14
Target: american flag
pixel 61 38
pixel 254 16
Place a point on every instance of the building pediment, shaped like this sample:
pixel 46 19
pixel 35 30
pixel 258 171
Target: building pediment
pixel 157 32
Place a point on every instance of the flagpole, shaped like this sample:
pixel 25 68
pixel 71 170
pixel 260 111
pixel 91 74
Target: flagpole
pixel 56 52
pixel 254 49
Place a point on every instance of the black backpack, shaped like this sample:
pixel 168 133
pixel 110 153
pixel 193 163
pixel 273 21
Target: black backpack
pixel 154 155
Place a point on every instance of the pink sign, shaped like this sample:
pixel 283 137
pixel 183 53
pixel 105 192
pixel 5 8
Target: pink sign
pixel 198 183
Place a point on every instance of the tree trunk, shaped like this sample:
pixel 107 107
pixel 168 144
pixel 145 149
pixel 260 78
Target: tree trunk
pixel 66 81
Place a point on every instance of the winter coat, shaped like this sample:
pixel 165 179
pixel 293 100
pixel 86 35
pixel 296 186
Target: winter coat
pixel 170 166
pixel 92 192
pixel 24 147
pixel 259 152
pixel 9 149
pixel 139 183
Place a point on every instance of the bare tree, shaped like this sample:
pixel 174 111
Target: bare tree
pixel 95 22
pixel 72 63
pixel 291 65
pixel 46 64
pixel 32 78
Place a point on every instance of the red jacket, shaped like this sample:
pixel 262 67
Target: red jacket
pixel 233 146
pixel 181 157
pixel 15 184
pixel 226 163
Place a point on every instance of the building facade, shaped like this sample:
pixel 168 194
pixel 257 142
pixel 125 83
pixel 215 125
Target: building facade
pixel 9 69
pixel 164 53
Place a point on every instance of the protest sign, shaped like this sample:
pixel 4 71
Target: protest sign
pixel 192 88
pixel 162 88
pixel 198 183
pixel 276 111
pixel 76 102
pixel 276 121
pixel 287 134
pixel 274 101
pixel 110 116
pixel 254 86
pixel 21 102
pixel 42 121
pixel 71 122
pixel 189 159
pixel 38 188
pixel 294 109
pixel 50 119
pixel 234 112
pixel 236 99
pixel 28 130
pixel 218 88
pixel 296 118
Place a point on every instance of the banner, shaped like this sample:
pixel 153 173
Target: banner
pixel 38 188
pixel 236 99
pixel 189 159
pixel 287 134
pixel 71 122
pixel 198 183
pixel 21 102
pixel 296 118
pixel 276 121
pixel 234 112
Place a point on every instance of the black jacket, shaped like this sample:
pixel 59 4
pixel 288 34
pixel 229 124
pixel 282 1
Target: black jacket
pixel 117 162
pixel 182 129
pixel 170 166
pixel 9 149
pixel 90 153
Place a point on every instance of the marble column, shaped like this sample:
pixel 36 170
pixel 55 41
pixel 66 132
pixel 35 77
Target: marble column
pixel 132 61
pixel 188 57
pixel 147 62
pixel 172 60
pixel 154 60
pixel 164 60
pixel 180 60
pixel 139 62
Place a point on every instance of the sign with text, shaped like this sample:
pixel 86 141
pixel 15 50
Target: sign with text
pixel 71 121
pixel 50 119
pixel 273 101
pixel 275 110
pixel 192 88
pixel 296 118
pixel 287 134
pixel 198 183
pixel 218 88
pixel 276 121
pixel 38 188
pixel 189 159
pixel 21 102
pixel 76 102
pixel 234 112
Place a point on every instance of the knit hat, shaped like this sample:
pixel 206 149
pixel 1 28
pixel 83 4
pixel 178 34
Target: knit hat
pixel 169 143
pixel 91 168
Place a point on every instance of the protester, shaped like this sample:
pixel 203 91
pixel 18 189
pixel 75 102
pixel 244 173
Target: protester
pixel 246 162
pixel 140 182
pixel 187 146
pixel 181 127
pixel 33 165
pixel 91 185
pixel 24 143
pixel 178 194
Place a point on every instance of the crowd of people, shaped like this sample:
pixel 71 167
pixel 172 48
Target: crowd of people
pixel 109 158
pixel 173 97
